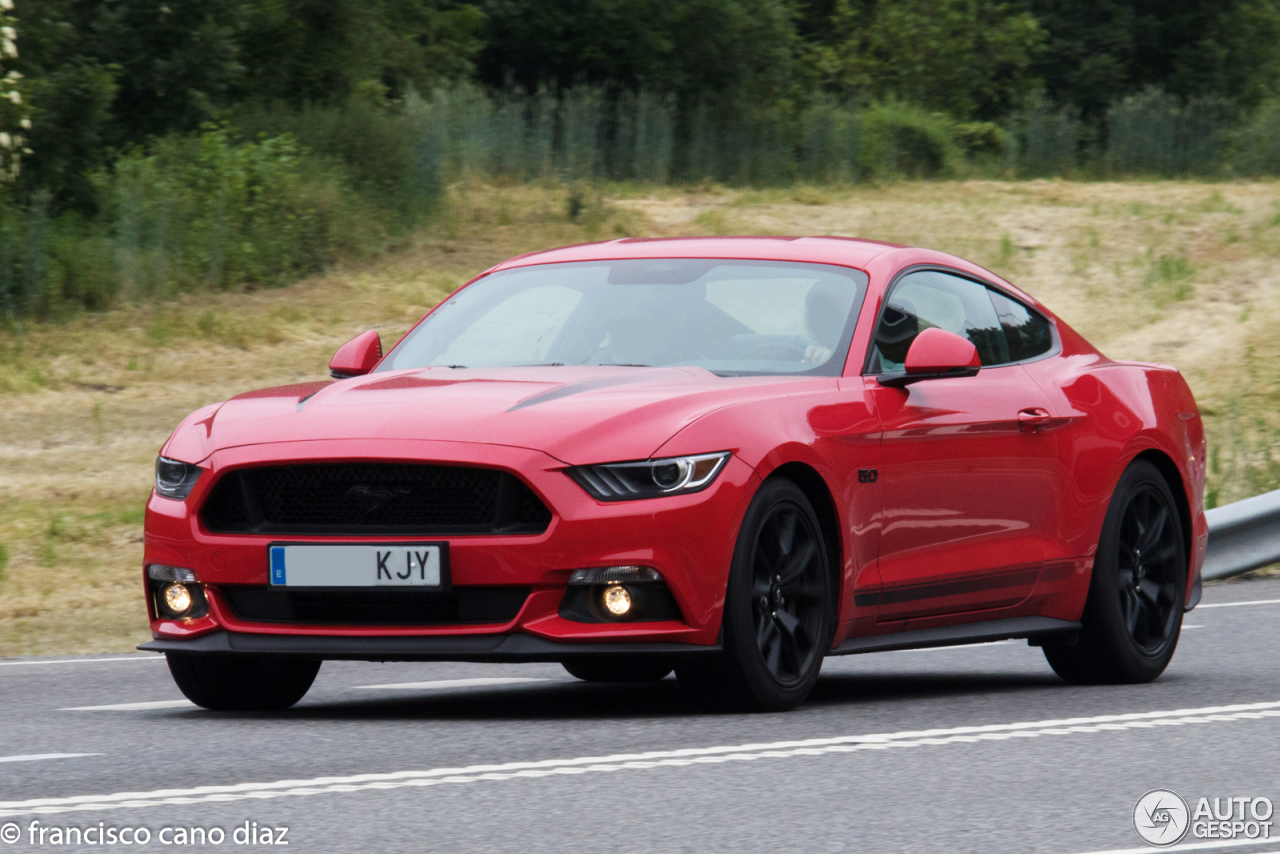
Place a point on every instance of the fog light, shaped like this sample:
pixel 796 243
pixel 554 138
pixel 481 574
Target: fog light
pixel 177 598
pixel 617 600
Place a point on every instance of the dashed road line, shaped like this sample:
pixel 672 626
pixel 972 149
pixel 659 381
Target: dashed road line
pixel 1195 846
pixel 439 684
pixel 683 758
pixel 133 707
pixel 81 661
pixel 956 646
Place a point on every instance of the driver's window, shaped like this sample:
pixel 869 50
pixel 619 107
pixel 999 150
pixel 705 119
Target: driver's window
pixel 932 299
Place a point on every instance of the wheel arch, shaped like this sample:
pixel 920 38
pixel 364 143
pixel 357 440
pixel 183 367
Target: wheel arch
pixel 815 488
pixel 1169 471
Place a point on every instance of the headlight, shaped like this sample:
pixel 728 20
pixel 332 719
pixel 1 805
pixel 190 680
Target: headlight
pixel 174 479
pixel 649 478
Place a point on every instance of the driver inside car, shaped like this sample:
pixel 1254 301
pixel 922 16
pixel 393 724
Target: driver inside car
pixel 825 313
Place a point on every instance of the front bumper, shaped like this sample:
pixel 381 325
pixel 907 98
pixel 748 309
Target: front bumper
pixel 689 539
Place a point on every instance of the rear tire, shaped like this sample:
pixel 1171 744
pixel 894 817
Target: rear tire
pixel 234 683
pixel 1133 616
pixel 619 669
pixel 779 612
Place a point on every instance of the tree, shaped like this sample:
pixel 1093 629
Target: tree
pixel 688 47
pixel 1099 51
pixel 970 58
pixel 321 51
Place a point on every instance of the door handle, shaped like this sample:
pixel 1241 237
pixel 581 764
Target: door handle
pixel 1030 420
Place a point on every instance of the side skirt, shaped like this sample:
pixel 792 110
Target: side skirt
pixel 1036 630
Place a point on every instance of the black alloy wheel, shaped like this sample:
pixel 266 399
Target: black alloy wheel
pixel 787 593
pixel 1149 570
pixel 1133 615
pixel 779 612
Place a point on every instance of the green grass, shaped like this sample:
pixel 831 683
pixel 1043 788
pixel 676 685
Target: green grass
pixel 1170 279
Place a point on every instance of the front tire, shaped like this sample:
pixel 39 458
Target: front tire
pixel 234 683
pixel 1133 616
pixel 779 609
pixel 618 669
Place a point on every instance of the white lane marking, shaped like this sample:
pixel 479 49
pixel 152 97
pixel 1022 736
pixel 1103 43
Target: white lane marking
pixel 1191 846
pixel 81 661
pixel 132 707
pixel 39 757
pixel 1234 604
pixel 179 704
pixel 652 759
pixel 1185 626
pixel 957 646
pixel 450 683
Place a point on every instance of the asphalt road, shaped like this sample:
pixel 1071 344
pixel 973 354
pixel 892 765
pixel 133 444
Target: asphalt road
pixel 462 757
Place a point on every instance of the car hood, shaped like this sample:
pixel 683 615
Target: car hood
pixel 576 414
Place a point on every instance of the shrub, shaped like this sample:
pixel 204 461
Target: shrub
pixel 1045 139
pixel 189 211
pixel 981 139
pixel 644 137
pixel 830 143
pixel 1156 133
pixel 209 209
pixel 899 139
pixel 380 151
pixel 1256 146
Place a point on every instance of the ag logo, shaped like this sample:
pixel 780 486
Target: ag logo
pixel 1161 817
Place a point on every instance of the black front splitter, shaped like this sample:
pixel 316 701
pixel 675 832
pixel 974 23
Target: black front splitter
pixel 490 648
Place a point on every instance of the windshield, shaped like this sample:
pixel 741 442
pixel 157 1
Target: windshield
pixel 730 317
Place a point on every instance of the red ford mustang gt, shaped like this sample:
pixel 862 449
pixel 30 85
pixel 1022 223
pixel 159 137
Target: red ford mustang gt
pixel 727 457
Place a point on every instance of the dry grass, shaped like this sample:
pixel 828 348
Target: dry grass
pixel 1182 273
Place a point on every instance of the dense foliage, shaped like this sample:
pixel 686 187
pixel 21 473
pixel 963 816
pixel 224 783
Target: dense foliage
pixel 173 143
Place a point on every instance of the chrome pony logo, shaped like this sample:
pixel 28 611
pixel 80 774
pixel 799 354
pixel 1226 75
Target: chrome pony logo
pixel 371 499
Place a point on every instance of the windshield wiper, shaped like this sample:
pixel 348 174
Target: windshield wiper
pixel 623 365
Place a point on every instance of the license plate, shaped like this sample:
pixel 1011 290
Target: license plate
pixel 397 565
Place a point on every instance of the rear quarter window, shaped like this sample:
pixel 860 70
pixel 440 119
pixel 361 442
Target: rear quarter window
pixel 1027 332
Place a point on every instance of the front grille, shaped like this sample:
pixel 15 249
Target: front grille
pixel 257 604
pixel 373 498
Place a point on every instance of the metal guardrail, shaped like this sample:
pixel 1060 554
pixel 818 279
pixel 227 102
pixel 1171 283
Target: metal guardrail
pixel 1243 536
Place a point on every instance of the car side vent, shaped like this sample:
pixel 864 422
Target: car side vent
pixel 373 498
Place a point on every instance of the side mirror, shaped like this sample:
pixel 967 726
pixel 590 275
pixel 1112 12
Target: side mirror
pixel 936 354
pixel 357 357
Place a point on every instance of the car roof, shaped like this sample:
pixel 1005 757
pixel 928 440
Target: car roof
pixel 853 252
pixel 845 251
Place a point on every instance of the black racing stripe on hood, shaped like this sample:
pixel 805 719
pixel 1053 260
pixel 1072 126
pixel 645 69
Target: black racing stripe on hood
pixel 579 387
